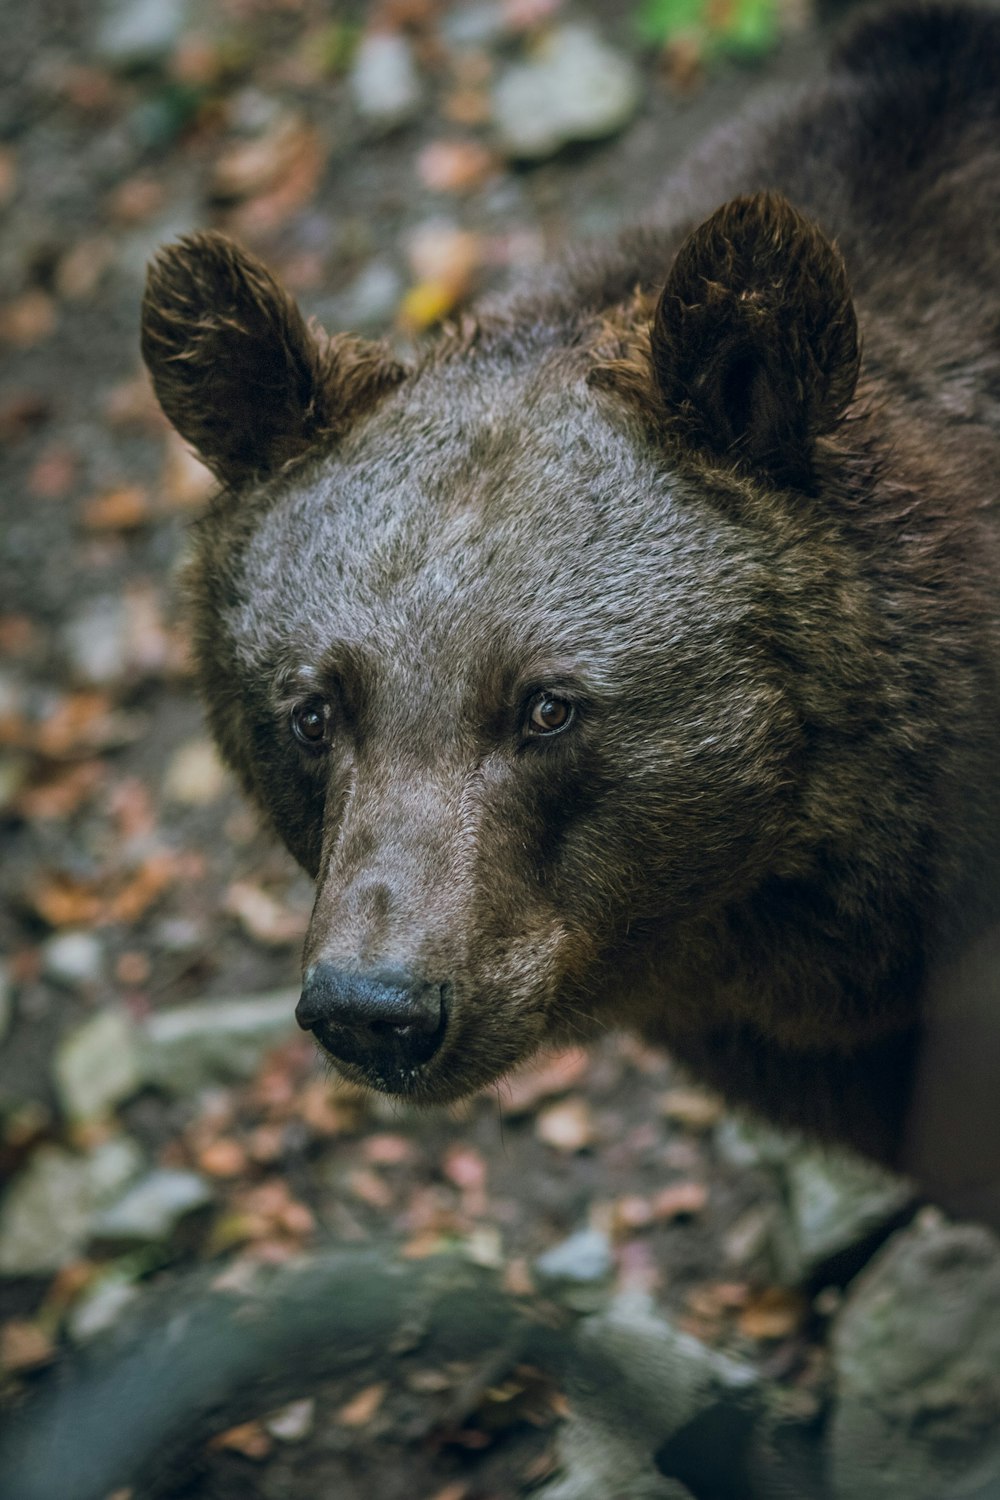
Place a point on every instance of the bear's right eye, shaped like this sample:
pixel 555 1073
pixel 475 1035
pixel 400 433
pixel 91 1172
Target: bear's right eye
pixel 311 723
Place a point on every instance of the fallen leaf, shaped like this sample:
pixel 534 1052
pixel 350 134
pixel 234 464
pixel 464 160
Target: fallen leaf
pixel 360 1410
pixel 80 270
pixel 54 474
pixel 224 1157
pixel 455 166
pixel 387 1150
pixel 137 199
pixel 370 1188
pixel 185 482
pixel 567 1126
pixel 60 791
pixel 775 1312
pixel 679 1201
pixel 262 916
pixel 28 319
pixel 287 169
pixel 465 1167
pixel 559 1072
pixel 8 173
pixel 123 508
pixel 249 1438
pixel 24 1345
pixel 693 1108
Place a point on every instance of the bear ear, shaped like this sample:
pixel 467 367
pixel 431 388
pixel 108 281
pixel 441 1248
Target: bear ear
pixel 235 368
pixel 755 339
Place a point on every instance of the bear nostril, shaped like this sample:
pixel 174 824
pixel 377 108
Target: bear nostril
pixel 385 1022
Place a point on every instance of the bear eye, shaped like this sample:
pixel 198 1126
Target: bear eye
pixel 549 715
pixel 311 723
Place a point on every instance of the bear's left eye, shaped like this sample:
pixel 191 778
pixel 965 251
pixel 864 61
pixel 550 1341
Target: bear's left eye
pixel 311 723
pixel 549 714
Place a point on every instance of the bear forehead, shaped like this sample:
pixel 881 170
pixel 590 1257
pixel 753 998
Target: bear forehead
pixel 507 518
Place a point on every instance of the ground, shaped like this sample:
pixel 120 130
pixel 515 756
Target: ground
pixel 134 878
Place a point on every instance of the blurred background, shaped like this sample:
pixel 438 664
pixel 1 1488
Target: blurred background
pixel 159 1112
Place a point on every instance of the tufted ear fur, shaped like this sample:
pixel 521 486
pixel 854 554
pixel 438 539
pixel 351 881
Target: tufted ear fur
pixel 755 340
pixel 235 367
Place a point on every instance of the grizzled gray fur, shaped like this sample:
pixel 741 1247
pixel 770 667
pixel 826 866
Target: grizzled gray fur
pixel 632 658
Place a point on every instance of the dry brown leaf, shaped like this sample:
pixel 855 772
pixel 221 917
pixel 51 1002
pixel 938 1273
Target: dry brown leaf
pixel 137 199
pixel 223 1157
pixel 679 1201
pixel 28 319
pixel 370 1188
pixel 133 899
pixel 185 482
pixel 567 1126
pixel 387 1150
pixel 455 166
pixel 60 791
pixel 286 182
pixel 694 1108
pixel 54 474
pixel 123 508
pixel 77 723
pixel 24 1345
pixel 465 1167
pixel 249 1438
pixel 64 901
pixel 558 1073
pixel 775 1312
pixel 262 916
pixel 360 1410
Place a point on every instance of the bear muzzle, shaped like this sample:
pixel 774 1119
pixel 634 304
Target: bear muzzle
pixel 385 1025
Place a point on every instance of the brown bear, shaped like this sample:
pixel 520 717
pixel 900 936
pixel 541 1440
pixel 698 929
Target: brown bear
pixel 632 658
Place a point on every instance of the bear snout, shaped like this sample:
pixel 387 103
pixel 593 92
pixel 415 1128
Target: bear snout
pixel 387 1024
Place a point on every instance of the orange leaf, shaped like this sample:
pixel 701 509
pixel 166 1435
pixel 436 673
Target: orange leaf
pixel 359 1411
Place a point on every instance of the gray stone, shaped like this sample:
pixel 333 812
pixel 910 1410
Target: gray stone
pixel 46 1215
pixel 369 302
pixel 139 31
pixel 97 1065
pixel 191 1046
pixel 916 1352
pixel 73 958
pixel 152 1207
pixel 582 1259
pixel 481 24
pixel 836 1200
pixel 384 81
pixel 100 1306
pixel 95 640
pixel 574 88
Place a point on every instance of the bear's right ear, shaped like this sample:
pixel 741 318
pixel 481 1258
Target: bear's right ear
pixel 755 339
pixel 235 367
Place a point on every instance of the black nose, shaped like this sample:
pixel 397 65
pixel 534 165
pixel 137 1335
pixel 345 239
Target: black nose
pixel 386 1023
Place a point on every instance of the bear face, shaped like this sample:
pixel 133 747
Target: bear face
pixel 502 653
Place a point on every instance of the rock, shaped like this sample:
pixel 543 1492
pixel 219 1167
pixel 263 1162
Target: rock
pixel 481 25
pixel 95 640
pixel 73 958
pixel 834 1201
pixel 916 1352
pixel 584 1259
pixel 369 302
pixel 100 1306
pixel 46 1215
pixel 574 88
pixel 387 91
pixel 97 1065
pixel 195 775
pixel 140 31
pixel 152 1207
pixel 183 1049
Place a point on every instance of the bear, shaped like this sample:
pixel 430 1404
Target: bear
pixel 630 658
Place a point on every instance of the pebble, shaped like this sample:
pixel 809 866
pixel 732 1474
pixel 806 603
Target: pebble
pixel 836 1200
pixel 190 1046
pixel 152 1206
pixel 195 775
pixel 581 1260
pixel 483 24
pixel 369 302
pixel 100 1306
pixel 140 31
pixel 46 1216
pixel 573 88
pixel 95 640
pixel 97 1065
pixel 73 958
pixel 384 81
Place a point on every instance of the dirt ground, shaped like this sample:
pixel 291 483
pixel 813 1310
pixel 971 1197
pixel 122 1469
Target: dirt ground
pixel 118 826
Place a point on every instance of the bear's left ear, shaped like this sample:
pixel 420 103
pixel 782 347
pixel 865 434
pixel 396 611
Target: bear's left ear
pixel 236 368
pixel 755 340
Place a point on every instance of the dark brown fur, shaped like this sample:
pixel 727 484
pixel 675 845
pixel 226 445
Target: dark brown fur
pixel 729 487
